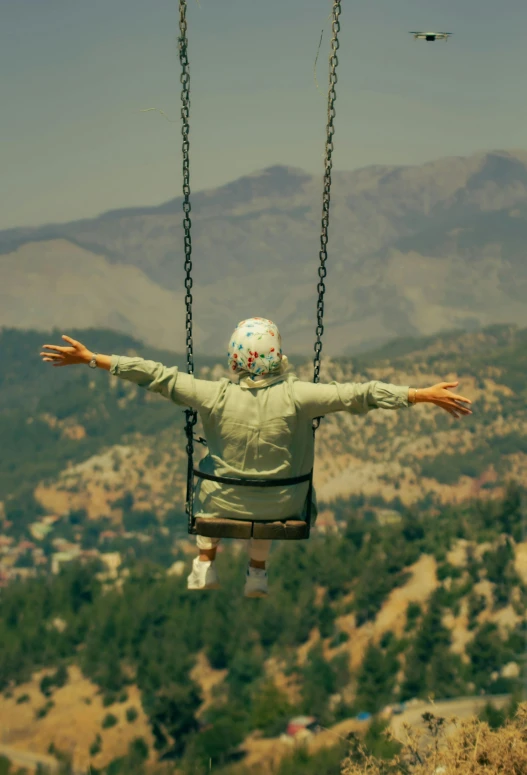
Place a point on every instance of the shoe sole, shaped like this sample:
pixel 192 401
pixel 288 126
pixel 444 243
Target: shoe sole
pixel 257 593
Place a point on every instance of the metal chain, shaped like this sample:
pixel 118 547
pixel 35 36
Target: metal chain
pixel 190 414
pixel 326 196
pixel 185 129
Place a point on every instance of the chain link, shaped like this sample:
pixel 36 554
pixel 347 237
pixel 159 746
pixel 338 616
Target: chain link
pixel 185 129
pixel 326 196
pixel 190 414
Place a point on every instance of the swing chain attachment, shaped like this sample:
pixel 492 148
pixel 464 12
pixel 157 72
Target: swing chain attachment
pixel 326 196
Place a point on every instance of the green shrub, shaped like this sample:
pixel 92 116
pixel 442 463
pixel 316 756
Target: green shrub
pixel 446 570
pixel 218 741
pixel 476 604
pixel 96 746
pixel 413 612
pixel 138 749
pixel 44 710
pixel 60 678
pixel 327 761
pixel 46 685
pixel 338 639
pixel 270 709
pixel 109 721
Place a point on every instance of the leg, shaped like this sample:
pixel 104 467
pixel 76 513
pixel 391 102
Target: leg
pixel 207 548
pixel 256 579
pixel 258 550
pixel 203 574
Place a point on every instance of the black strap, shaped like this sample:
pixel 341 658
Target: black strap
pixel 247 482
pixel 191 472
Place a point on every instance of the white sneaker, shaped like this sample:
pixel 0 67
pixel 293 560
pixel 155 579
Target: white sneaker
pixel 203 575
pixel 256 583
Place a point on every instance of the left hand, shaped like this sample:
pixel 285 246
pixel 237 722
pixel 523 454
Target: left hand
pixel 67 356
pixel 441 396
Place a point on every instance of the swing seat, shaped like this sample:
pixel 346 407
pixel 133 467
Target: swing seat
pixel 275 530
pixel 224 527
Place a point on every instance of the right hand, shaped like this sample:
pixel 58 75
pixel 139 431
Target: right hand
pixel 441 396
pixel 66 356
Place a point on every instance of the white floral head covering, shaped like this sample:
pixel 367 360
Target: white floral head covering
pixel 255 346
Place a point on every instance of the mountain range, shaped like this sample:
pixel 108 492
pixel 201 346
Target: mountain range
pixel 413 251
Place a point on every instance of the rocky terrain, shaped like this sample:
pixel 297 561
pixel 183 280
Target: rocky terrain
pixel 413 251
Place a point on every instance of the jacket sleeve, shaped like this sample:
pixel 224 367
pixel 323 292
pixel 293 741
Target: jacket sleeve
pixel 354 397
pixel 183 389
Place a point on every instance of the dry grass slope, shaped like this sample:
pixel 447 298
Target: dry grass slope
pixel 451 747
pixel 73 722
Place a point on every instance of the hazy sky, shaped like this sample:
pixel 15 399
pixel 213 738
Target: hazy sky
pixel 74 75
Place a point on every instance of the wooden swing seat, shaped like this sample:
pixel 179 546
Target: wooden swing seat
pixel 275 530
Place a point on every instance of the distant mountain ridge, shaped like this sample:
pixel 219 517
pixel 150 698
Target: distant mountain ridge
pixel 413 250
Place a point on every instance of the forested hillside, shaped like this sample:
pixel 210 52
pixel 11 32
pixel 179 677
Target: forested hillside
pixel 413 585
pixel 293 653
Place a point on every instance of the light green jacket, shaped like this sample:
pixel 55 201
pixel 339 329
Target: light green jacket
pixel 258 429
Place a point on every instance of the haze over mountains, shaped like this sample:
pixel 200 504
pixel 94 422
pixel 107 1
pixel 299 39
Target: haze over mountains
pixel 413 251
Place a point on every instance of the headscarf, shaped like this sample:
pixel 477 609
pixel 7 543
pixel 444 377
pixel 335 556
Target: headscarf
pixel 256 347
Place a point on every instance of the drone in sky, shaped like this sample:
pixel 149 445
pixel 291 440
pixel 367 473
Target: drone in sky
pixel 431 35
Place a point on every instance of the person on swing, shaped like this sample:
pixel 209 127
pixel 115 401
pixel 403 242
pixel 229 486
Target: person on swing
pixel 257 422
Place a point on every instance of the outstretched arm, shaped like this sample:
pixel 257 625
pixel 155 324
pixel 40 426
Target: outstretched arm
pixel 183 389
pixel 362 397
